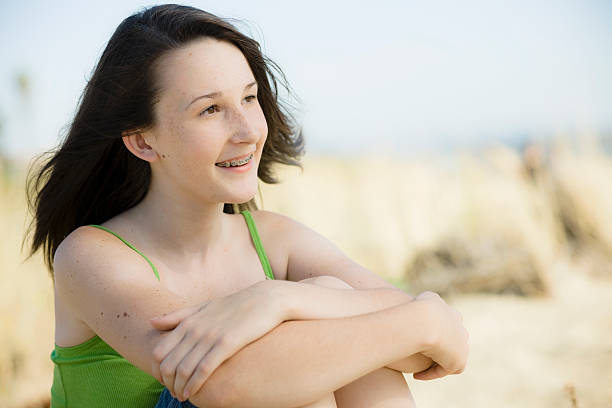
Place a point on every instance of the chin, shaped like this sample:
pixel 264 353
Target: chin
pixel 241 198
pixel 239 191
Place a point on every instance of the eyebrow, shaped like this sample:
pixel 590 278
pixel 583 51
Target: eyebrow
pixel 216 94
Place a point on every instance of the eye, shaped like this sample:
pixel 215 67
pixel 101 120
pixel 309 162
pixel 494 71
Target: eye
pixel 251 96
pixel 213 107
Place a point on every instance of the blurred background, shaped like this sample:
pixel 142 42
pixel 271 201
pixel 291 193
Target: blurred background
pixel 458 147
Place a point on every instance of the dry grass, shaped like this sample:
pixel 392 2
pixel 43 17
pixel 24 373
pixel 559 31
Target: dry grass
pixel 472 226
pixel 26 304
pixel 553 352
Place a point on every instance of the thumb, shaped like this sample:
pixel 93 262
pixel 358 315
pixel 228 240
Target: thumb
pixel 433 372
pixel 171 320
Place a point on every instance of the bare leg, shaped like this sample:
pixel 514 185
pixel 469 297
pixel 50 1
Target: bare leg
pixel 382 388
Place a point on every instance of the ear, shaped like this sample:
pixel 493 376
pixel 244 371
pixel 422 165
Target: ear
pixel 135 142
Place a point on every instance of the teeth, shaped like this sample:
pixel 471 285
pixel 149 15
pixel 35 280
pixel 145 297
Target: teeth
pixel 234 163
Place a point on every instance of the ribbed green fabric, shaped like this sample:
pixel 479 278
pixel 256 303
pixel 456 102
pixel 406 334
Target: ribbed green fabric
pixel 92 374
pixel 258 246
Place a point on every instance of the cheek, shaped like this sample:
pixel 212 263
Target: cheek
pixel 263 128
pixel 188 149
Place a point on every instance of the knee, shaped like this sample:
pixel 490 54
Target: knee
pixel 327 281
pixel 384 388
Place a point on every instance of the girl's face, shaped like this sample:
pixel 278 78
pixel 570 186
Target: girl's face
pixel 208 113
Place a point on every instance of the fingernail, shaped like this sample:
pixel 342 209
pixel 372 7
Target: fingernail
pixel 186 395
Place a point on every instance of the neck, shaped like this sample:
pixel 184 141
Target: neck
pixel 181 224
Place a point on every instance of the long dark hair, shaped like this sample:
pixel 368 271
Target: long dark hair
pixel 91 176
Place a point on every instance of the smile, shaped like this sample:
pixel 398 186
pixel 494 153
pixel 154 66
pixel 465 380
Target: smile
pixel 235 163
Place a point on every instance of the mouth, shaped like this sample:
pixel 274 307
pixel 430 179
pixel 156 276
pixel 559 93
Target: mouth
pixel 235 163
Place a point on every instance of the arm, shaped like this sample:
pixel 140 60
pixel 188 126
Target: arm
pixel 305 302
pixel 300 361
pixel 111 290
pixel 309 254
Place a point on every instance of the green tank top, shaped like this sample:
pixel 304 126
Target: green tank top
pixel 92 374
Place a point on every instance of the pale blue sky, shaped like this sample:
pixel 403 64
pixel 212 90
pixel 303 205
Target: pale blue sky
pixel 378 75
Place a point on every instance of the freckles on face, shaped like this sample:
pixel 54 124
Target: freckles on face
pixel 194 132
pixel 188 154
pixel 185 147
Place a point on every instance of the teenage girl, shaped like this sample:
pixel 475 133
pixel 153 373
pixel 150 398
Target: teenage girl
pixel 168 278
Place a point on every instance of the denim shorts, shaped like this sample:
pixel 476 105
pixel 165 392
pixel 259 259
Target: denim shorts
pixel 167 401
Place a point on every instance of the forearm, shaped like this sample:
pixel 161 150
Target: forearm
pixel 305 301
pixel 298 362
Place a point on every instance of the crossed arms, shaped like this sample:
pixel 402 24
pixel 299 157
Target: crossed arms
pixel 297 354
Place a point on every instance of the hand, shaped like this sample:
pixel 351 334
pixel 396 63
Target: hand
pixel 204 336
pixel 449 349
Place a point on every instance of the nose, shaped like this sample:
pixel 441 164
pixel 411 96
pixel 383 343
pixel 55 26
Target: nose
pixel 244 126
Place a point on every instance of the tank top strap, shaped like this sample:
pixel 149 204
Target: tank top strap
pixel 130 245
pixel 258 246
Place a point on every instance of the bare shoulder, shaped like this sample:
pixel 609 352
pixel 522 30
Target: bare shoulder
pixel 274 222
pixel 274 230
pixel 89 255
pixel 287 230
pixel 291 237
pixel 310 254
pixel 110 288
pixel 283 230
pixel 282 225
pixel 83 241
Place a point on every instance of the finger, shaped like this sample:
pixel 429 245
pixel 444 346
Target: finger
pixel 173 319
pixel 186 368
pixel 168 343
pixel 172 360
pixel 433 372
pixel 162 349
pixel 155 371
pixel 215 357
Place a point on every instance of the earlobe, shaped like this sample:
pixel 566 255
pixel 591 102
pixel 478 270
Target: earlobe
pixel 136 143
